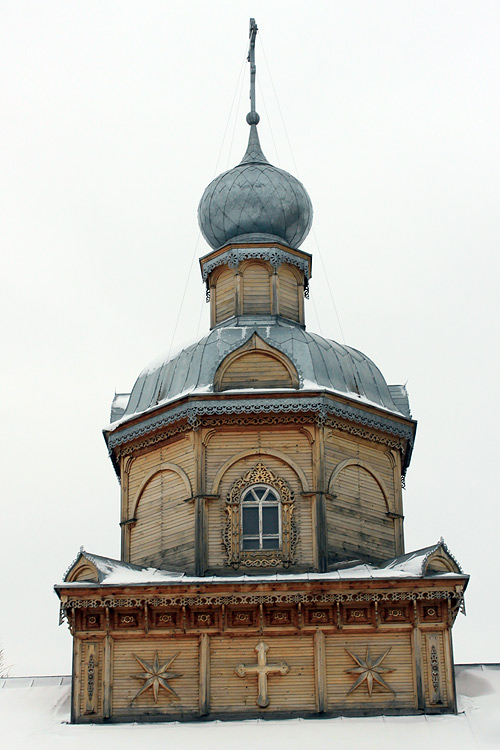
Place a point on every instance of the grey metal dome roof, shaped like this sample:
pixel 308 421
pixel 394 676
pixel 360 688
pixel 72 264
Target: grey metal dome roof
pixel 321 364
pixel 255 198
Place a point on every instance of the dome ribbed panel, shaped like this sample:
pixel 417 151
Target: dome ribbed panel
pixel 318 361
pixel 255 198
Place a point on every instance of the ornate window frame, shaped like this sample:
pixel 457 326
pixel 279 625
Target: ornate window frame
pixel 232 534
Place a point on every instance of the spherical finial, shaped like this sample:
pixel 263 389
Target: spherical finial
pixel 253 118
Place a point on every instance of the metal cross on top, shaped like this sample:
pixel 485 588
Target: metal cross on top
pixel 252 117
pixel 262 669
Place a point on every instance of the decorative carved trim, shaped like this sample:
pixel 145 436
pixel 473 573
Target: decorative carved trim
pixel 91 677
pixel 158 437
pixel 324 409
pixel 214 600
pixel 275 256
pixel 156 676
pixel 369 670
pixel 434 668
pixel 235 556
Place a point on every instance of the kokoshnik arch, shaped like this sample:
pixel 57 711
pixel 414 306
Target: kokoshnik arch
pixel 263 569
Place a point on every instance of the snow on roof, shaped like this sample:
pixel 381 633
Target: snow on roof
pixel 36 717
pixel 112 572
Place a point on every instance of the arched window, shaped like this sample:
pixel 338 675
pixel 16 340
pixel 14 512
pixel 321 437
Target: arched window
pixel 260 529
pixel 260 518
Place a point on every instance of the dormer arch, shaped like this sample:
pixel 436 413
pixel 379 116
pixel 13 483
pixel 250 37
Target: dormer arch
pixel 256 365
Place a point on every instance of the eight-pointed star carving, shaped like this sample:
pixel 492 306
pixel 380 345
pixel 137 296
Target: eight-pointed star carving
pixel 156 676
pixel 369 669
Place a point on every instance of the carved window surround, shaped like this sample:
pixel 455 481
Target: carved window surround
pixel 235 555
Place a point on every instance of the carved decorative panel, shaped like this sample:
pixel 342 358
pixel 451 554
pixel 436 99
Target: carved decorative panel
pixel 242 618
pixel 396 613
pixel 90 678
pixel 127 619
pixel 232 536
pixel 204 618
pixel 431 613
pixel 357 615
pixel 92 620
pixel 318 616
pixel 171 618
pixel 280 616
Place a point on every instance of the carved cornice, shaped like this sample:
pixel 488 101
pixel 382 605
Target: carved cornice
pixel 187 599
pixel 322 407
pixel 274 255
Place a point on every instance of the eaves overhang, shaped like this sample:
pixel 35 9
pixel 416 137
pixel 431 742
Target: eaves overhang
pixel 276 253
pixel 321 404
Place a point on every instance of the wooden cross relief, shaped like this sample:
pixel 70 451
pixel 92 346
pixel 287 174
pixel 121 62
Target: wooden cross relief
pixel 262 669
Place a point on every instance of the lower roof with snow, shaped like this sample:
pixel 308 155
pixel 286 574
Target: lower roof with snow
pixel 434 561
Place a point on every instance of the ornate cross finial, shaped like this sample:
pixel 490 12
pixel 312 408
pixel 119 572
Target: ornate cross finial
pixel 252 117
pixel 262 669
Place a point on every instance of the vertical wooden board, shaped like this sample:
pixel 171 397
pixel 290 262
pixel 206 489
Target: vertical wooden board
pixel 288 292
pixel 434 669
pixel 224 295
pixel 340 681
pixel 91 677
pixel 320 671
pixel 204 670
pixel 256 289
pixel 125 687
pixel 293 691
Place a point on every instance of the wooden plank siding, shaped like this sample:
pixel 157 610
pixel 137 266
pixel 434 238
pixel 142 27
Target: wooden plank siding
pixel 125 687
pixel 164 533
pixel 357 521
pixel 399 659
pixel 356 509
pixel 225 295
pixel 338 448
pixel 294 691
pixel 288 293
pixel 179 451
pixel 256 289
pixel 256 370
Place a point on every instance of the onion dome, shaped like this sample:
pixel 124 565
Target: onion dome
pixel 255 201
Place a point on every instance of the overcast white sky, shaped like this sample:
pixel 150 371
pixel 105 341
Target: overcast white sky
pixel 113 115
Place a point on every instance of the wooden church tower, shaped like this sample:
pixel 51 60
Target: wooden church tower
pixel 263 569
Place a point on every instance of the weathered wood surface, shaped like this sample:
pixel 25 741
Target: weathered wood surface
pixel 256 288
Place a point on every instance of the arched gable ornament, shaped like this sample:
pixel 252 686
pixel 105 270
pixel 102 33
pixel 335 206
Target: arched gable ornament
pixel 236 556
